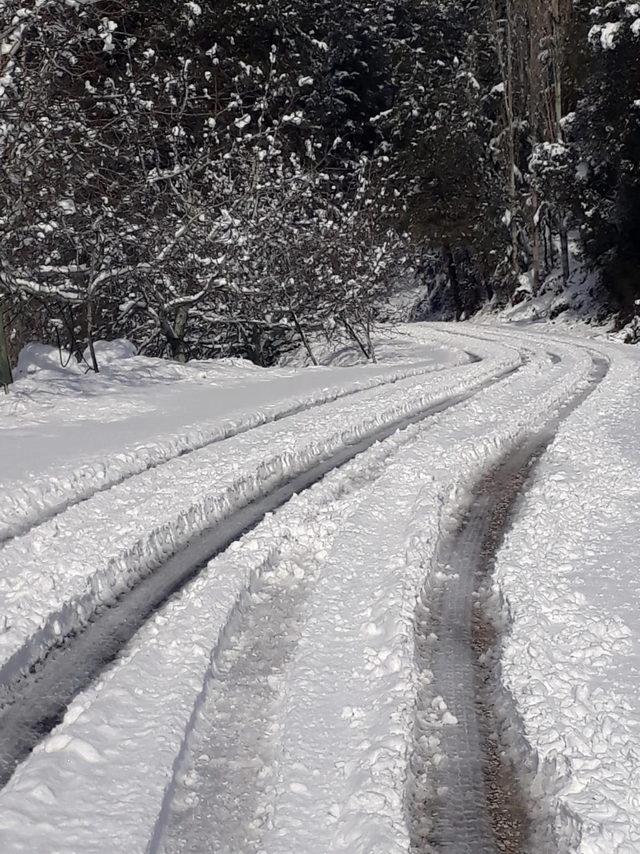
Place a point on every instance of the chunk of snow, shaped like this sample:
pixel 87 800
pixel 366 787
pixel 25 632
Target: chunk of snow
pixel 67 206
pixel 108 352
pixel 606 34
pixel 36 357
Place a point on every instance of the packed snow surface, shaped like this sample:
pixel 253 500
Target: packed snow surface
pixel 269 706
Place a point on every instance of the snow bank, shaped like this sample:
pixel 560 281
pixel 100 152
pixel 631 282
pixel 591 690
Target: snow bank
pixel 109 352
pixel 396 344
pixel 34 358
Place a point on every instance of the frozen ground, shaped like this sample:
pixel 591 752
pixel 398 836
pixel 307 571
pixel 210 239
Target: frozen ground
pixel 275 704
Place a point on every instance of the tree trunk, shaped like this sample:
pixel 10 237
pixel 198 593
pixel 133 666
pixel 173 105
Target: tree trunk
pixel 509 100
pixel 92 350
pixel 453 282
pixel 303 338
pixel 75 347
pixel 537 259
pixel 6 377
pixel 248 344
pixel 176 341
pixel 258 346
pixel 488 290
pixel 564 250
pixel 560 15
pixel 355 337
pixel 549 251
pixel 370 346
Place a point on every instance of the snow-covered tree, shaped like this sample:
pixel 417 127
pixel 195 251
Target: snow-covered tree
pixel 168 167
pixel 606 131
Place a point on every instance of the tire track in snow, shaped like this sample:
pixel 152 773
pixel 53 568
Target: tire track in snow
pixel 493 335
pixel 32 705
pixel 222 794
pixel 86 480
pixel 465 797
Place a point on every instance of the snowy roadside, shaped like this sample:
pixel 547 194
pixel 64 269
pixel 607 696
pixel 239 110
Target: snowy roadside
pixel 120 739
pixel 567 588
pixel 66 435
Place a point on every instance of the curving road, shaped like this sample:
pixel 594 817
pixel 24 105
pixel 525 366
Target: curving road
pixel 232 659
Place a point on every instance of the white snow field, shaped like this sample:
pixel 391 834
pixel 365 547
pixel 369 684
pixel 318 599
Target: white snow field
pixel 273 704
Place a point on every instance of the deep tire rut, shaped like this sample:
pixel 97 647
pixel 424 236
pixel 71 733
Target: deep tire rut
pixel 464 795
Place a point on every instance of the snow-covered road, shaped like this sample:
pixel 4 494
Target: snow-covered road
pixel 298 693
